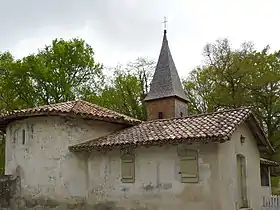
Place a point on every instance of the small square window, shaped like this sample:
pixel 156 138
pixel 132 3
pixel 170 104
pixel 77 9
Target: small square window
pixel 160 115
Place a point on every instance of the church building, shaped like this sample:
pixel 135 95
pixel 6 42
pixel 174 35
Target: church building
pixel 77 155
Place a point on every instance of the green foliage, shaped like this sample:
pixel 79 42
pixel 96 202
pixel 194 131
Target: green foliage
pixel 275 185
pixel 126 91
pixel 56 73
pixel 234 78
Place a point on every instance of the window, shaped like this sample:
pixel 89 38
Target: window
pixel 181 114
pixel 189 166
pixel 23 136
pixel 160 115
pixel 264 176
pixel 128 168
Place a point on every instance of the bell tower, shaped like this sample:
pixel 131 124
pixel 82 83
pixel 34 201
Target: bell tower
pixel 166 98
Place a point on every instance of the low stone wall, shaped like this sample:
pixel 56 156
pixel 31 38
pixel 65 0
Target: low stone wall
pixel 11 198
pixel 49 204
pixel 46 204
pixel 8 189
pixel 14 201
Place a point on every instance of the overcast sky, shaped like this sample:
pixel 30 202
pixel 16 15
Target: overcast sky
pixel 122 30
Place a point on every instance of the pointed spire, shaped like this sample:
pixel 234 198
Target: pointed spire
pixel 166 81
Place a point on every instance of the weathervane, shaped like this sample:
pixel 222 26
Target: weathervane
pixel 165 22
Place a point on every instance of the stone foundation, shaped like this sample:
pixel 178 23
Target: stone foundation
pixel 8 189
pixel 11 198
pixel 46 204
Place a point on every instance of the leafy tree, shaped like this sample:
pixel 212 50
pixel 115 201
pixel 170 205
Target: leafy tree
pixel 6 96
pixel 60 71
pixel 199 90
pixel 127 89
pixel 220 81
pixel 234 78
pixel 56 73
pixel 264 87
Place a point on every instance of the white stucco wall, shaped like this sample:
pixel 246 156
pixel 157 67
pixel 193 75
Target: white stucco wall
pixel 158 167
pixel 227 153
pixel 47 167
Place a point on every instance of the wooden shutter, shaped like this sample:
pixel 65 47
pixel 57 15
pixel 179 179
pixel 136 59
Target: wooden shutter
pixel 128 169
pixel 189 167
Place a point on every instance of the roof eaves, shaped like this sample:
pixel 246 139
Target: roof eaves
pixel 20 115
pixel 175 141
pixel 269 162
pixel 263 137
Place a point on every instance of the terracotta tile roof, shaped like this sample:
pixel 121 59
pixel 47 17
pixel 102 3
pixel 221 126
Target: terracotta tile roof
pixel 269 162
pixel 80 108
pixel 217 126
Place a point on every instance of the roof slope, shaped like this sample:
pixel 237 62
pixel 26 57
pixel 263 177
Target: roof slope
pixel 269 162
pixel 80 108
pixel 204 128
pixel 166 81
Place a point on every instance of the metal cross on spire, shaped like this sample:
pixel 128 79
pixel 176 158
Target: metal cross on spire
pixel 165 23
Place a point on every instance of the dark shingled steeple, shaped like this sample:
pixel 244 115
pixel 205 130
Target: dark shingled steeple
pixel 166 81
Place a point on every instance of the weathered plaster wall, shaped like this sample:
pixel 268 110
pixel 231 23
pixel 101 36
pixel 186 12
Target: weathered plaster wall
pixel 228 169
pixel 157 183
pixel 53 176
pixel 47 168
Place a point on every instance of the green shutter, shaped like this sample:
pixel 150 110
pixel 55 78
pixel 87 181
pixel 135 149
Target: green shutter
pixel 128 169
pixel 189 167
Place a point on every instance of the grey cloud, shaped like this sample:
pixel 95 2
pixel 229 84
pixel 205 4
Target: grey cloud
pixel 110 19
